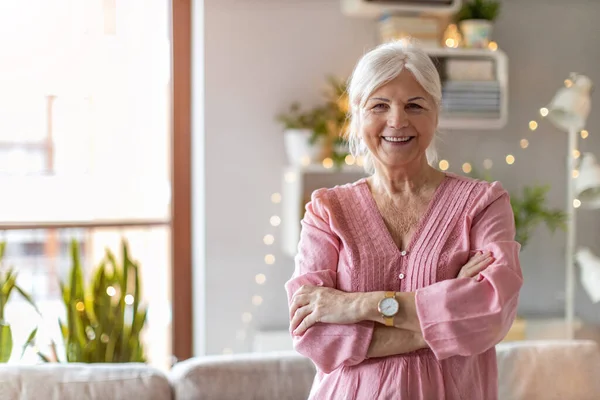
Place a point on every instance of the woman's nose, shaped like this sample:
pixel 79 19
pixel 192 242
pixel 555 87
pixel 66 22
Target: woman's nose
pixel 397 119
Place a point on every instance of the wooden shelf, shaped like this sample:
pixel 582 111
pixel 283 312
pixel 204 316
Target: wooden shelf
pixel 500 60
pixel 375 9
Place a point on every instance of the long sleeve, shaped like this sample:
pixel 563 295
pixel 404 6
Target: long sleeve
pixel 329 346
pixel 467 316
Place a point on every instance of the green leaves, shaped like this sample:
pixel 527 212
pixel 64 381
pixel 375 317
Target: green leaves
pixel 479 9
pixel 6 343
pixel 8 285
pixel 103 323
pixel 530 210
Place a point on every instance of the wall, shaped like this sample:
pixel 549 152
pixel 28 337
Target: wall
pixel 261 55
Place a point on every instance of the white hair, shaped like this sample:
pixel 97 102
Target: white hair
pixel 378 67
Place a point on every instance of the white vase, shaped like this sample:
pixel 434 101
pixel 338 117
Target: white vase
pixel 476 33
pixel 298 148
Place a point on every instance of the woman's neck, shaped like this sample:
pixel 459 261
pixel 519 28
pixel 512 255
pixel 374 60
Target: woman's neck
pixel 404 181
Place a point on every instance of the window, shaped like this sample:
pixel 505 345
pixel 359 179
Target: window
pixel 85 149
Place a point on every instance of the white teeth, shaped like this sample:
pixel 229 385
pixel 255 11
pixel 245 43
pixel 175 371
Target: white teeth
pixel 396 139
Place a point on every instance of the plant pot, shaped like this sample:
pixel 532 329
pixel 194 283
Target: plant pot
pixel 476 33
pixel 298 148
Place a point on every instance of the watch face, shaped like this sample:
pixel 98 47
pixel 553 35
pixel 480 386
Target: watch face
pixel 389 306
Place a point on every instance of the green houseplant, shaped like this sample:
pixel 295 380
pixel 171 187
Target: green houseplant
pixel 8 285
pixel 304 133
pixel 104 318
pixel 530 210
pixel 475 20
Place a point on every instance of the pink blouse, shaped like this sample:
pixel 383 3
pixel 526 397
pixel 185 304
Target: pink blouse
pixel 345 244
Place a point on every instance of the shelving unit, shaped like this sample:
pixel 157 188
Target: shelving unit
pixel 375 8
pixel 500 66
pixel 298 185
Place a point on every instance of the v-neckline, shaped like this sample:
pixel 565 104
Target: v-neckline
pixel 423 220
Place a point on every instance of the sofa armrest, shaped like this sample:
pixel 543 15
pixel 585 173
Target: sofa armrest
pixel 265 376
pixel 83 382
pixel 546 370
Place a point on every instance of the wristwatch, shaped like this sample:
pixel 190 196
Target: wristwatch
pixel 389 307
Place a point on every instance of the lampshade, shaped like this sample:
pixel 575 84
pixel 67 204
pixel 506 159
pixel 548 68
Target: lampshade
pixel 589 265
pixel 570 107
pixel 587 184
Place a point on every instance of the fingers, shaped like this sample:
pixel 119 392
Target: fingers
pixel 306 323
pixel 476 264
pixel 299 300
pixel 299 317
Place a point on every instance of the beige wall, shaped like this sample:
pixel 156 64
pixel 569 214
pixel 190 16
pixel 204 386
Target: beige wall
pixel 261 55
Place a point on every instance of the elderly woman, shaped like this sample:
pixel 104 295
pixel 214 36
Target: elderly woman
pixel 405 281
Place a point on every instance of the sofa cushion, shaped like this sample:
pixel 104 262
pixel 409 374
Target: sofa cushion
pixel 546 370
pixel 265 376
pixel 83 382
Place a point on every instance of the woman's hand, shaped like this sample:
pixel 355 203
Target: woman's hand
pixel 312 304
pixel 476 264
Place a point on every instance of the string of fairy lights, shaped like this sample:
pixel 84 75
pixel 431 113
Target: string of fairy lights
pixel 275 221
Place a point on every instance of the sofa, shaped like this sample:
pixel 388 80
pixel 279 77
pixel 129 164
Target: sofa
pixel 527 371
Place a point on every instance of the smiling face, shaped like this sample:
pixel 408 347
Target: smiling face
pixel 399 121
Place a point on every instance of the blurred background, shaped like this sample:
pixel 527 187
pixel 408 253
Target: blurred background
pixel 197 130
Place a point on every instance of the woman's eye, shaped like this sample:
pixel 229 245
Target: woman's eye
pixel 380 106
pixel 414 106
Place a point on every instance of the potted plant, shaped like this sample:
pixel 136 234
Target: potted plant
pixel 530 210
pixel 105 316
pixel 8 285
pixel 304 134
pixel 475 21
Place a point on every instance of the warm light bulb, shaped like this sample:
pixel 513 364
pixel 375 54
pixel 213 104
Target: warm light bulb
pixel 80 306
pixel 276 198
pixel 487 163
pixel 111 291
pixel 328 163
pixel 524 143
pixel 533 125
pixel 575 173
pixel 269 239
pixel 543 111
pixel 246 317
pixel 450 42
pixel 444 165
pixel 275 220
pixel 260 279
pixel 576 154
pixel 510 159
pixel 576 203
pixel 257 300
pixel 129 299
pixel 350 160
pixel 270 259
pixel 467 168
pixel 584 134
pixel 290 177
pixel 493 46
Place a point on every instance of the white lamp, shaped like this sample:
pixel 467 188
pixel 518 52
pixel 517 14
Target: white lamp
pixel 589 266
pixel 587 184
pixel 568 111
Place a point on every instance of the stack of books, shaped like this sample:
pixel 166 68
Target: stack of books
pixel 425 31
pixel 471 99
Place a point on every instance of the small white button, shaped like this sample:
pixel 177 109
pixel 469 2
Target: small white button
pixel 401 276
pixel 403 253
